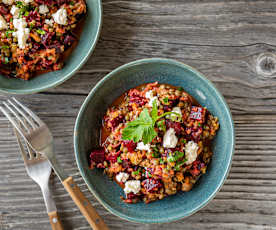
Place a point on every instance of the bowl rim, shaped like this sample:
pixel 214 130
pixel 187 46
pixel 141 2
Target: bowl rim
pixel 88 98
pixel 69 75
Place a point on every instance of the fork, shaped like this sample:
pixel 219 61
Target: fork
pixel 36 133
pixel 39 169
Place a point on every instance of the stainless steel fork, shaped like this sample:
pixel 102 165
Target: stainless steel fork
pixel 38 136
pixel 39 169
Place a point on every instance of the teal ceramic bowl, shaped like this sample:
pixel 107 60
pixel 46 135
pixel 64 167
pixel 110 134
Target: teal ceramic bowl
pixel 88 123
pixel 79 56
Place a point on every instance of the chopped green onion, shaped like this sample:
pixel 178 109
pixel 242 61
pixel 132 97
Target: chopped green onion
pixel 6 60
pixel 183 141
pixel 19 4
pixel 199 124
pixel 119 160
pixel 166 100
pixel 161 161
pixel 179 164
pixel 161 125
pixel 26 13
pixel 5 47
pixel 155 154
pixel 71 3
pixel 136 172
pixel 40 31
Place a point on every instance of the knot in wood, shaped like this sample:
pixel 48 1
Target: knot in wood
pixel 266 64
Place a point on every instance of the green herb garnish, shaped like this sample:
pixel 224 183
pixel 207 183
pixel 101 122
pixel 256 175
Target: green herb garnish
pixel 142 128
pixel 166 100
pixel 180 88
pixel 26 13
pixel 155 154
pixel 179 164
pixel 5 47
pixel 175 156
pixel 6 60
pixel 183 141
pixel 9 32
pixel 161 125
pixel 119 160
pixel 40 31
pixel 136 172
pixel 199 124
pixel 161 161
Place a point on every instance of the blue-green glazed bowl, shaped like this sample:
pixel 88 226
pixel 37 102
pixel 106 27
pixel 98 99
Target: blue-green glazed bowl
pixel 87 131
pixel 79 56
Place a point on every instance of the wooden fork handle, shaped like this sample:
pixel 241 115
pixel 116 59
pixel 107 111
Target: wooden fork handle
pixel 91 215
pixel 55 221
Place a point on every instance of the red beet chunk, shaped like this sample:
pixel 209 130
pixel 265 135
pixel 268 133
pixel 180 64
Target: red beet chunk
pixel 175 125
pixel 131 146
pixel 136 97
pixel 113 158
pixel 151 184
pixel 3 10
pixel 115 122
pixel 198 113
pixel 97 156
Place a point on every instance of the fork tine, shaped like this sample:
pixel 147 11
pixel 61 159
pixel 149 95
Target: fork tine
pixel 26 116
pixel 13 121
pixel 32 114
pixel 32 153
pixel 22 150
pixel 16 115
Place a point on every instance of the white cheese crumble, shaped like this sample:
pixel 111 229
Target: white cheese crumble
pixel 27 1
pixel 22 32
pixel 149 95
pixel 170 139
pixel 49 22
pixel 191 152
pixel 15 11
pixel 122 177
pixel 8 2
pixel 3 23
pixel 132 186
pixel 142 146
pixel 43 9
pixel 60 16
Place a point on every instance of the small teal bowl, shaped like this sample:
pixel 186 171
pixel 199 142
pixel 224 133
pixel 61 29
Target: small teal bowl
pixel 88 124
pixel 79 56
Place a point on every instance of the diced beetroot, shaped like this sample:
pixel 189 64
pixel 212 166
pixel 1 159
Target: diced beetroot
pixel 131 146
pixel 47 39
pixel 3 10
pixel 115 122
pixel 69 39
pixel 136 97
pixel 113 158
pixel 131 195
pixel 45 2
pixel 33 16
pixel 97 156
pixel 198 113
pixel 175 125
pixel 151 184
pixel 166 108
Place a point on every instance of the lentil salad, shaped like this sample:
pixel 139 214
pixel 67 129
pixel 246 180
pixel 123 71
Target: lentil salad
pixel 37 35
pixel 155 141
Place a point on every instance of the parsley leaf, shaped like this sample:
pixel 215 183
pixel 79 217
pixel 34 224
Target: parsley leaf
pixel 143 127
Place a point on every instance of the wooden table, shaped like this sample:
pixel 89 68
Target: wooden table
pixel 232 43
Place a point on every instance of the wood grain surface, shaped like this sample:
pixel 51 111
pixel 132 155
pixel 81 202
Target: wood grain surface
pixel 232 42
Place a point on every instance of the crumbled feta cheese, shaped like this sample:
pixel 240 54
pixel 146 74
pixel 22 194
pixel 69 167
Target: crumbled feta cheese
pixel 170 139
pixel 60 16
pixel 15 11
pixel 132 186
pixel 43 9
pixel 176 110
pixel 22 32
pixel 19 23
pixel 27 1
pixel 3 23
pixel 8 2
pixel 142 146
pixel 22 37
pixel 49 22
pixel 150 96
pixel 191 152
pixel 122 177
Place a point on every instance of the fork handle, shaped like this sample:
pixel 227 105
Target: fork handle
pixel 55 221
pixel 91 215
